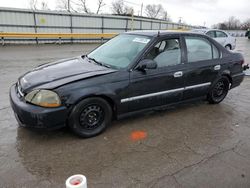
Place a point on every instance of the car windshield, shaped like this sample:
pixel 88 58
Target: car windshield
pixel 120 51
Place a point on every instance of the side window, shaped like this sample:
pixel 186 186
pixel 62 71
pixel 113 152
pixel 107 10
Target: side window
pixel 161 45
pixel 220 34
pixel 166 53
pixel 211 34
pixel 198 49
pixel 216 52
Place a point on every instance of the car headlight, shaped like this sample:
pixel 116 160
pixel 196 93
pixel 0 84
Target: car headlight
pixel 44 98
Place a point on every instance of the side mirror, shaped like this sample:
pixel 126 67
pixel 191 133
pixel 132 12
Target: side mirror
pixel 146 64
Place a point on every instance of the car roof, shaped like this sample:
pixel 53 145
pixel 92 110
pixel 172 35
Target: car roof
pixel 153 33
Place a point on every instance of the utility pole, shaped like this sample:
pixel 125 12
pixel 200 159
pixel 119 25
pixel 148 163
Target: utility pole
pixel 180 18
pixel 132 20
pixel 68 5
pixel 141 8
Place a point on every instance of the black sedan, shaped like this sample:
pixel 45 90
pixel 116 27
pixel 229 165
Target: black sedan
pixel 131 73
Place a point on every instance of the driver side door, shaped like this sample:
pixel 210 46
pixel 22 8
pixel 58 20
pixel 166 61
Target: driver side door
pixel 164 85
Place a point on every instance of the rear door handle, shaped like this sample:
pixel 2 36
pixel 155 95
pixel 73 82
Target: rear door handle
pixel 178 74
pixel 217 67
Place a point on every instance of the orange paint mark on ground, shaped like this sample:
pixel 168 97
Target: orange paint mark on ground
pixel 138 135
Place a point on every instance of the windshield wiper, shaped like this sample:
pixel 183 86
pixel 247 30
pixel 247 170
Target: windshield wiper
pixel 97 62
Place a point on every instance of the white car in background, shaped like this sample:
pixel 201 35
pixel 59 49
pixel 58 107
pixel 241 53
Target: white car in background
pixel 222 37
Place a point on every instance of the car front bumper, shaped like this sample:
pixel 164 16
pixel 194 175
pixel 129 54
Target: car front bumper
pixel 32 116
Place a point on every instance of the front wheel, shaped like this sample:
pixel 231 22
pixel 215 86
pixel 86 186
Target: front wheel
pixel 218 91
pixel 90 117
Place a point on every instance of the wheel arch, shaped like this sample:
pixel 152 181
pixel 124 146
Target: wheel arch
pixel 229 46
pixel 210 96
pixel 226 73
pixel 107 98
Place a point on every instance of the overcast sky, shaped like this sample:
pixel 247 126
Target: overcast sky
pixel 196 12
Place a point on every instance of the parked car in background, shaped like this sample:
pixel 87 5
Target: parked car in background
pixel 131 73
pixel 222 37
pixel 248 33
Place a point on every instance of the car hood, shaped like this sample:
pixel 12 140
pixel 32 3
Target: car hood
pixel 55 74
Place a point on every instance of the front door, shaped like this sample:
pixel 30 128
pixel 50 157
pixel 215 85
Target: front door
pixel 163 85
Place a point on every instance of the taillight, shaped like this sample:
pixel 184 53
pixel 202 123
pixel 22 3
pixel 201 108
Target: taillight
pixel 244 66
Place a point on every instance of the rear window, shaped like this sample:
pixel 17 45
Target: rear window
pixel 216 52
pixel 200 49
pixel 220 34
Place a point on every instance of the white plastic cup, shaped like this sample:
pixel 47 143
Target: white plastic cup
pixel 76 181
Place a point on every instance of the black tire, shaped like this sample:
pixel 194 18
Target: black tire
pixel 219 90
pixel 90 117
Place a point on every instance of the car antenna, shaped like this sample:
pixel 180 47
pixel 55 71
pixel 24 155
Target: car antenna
pixel 158 34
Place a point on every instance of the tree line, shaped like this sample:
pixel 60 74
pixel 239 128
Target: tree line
pixel 233 24
pixel 118 7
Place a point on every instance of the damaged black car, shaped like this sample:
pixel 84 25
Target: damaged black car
pixel 131 73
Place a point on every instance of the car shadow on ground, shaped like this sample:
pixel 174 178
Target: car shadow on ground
pixel 136 118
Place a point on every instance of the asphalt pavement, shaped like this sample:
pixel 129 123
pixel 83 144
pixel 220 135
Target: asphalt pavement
pixel 191 145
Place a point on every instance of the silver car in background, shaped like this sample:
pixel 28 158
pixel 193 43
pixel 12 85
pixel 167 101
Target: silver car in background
pixel 222 37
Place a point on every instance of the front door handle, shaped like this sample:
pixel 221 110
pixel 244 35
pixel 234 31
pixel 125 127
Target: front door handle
pixel 217 67
pixel 178 74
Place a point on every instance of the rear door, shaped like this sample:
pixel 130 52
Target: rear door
pixel 163 85
pixel 203 66
pixel 221 37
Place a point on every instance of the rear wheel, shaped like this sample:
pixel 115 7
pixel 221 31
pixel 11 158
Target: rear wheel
pixel 219 91
pixel 90 117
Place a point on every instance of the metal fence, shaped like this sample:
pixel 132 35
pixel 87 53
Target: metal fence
pixel 28 21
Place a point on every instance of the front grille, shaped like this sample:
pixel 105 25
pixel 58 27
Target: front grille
pixel 19 89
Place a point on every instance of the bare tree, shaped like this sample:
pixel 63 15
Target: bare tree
pixel 82 6
pixel 128 10
pixel 233 23
pixel 164 15
pixel 44 5
pixel 118 7
pixel 154 11
pixel 65 5
pixel 246 24
pixel 33 4
pixel 100 5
